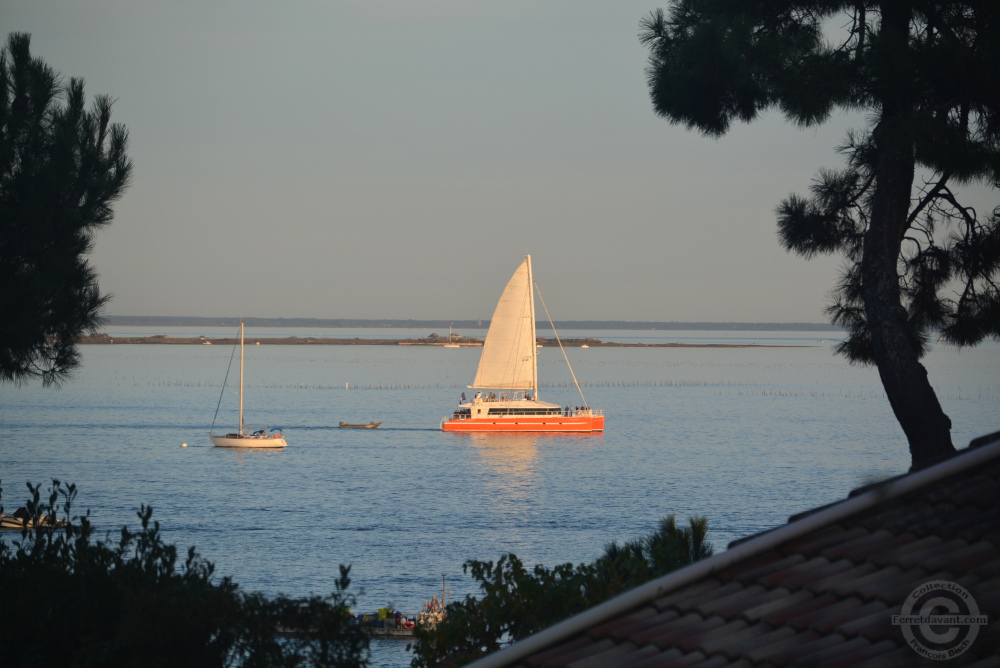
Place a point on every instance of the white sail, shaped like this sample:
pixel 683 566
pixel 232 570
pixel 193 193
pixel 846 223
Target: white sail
pixel 508 359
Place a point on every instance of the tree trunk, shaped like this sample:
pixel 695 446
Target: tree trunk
pixel 905 379
pixel 910 394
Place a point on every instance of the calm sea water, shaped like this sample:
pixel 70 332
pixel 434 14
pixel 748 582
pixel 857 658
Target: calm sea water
pixel 745 436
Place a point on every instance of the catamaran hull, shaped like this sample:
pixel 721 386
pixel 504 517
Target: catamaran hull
pixel 507 376
pixel 248 442
pixel 582 424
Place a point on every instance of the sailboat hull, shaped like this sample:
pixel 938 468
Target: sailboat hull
pixel 508 374
pixel 546 423
pixel 234 441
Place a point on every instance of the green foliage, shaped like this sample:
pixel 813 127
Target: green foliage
pixel 70 600
pixel 61 168
pixel 517 602
pixel 933 94
pixel 925 72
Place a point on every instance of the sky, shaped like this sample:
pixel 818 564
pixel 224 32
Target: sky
pixel 397 159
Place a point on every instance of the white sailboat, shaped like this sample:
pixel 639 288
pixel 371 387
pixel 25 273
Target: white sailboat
pixel 246 436
pixel 509 365
pixel 451 343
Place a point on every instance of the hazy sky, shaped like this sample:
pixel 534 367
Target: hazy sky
pixel 372 159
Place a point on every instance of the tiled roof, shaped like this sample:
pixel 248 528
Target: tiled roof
pixel 818 591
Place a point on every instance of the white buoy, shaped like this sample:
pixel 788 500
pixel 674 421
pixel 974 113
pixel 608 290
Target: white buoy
pixel 184 445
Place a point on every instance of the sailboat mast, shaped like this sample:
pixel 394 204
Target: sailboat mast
pixel 534 337
pixel 241 379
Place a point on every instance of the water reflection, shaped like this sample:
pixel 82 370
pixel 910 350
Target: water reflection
pixel 509 472
pixel 507 453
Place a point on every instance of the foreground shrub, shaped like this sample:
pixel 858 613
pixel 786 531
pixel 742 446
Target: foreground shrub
pixel 68 599
pixel 517 602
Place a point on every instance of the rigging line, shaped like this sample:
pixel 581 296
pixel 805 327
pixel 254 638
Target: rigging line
pixel 559 341
pixel 231 355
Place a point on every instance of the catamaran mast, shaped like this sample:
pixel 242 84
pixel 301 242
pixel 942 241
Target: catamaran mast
pixel 534 338
pixel 241 379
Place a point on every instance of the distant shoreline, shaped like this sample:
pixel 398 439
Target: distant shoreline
pixel 197 321
pixel 163 339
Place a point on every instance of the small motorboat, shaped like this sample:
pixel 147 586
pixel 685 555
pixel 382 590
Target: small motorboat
pixel 370 425
pixel 21 517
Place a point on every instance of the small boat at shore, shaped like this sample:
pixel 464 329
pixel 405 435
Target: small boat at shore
pixel 370 425
pixel 246 436
pixel 20 519
pixel 392 623
pixel 509 365
pixel 451 340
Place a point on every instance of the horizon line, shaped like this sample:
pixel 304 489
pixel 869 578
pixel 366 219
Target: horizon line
pixel 400 323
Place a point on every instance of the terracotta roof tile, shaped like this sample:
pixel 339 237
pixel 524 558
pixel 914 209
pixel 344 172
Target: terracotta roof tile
pixel 970 524
pixel 986 585
pixel 990 568
pixel 556 656
pixel 806 620
pixel 778 645
pixel 679 597
pixel 818 571
pixel 863 653
pixel 924 545
pixel 830 656
pixel 720 662
pixel 787 614
pixel 576 654
pixel 825 594
pixel 901 657
pixel 897 517
pixel 988 597
pixel 641 629
pixel 892 590
pixel 776 601
pixel 645 636
pixel 814 543
pixel 831 581
pixel 946 523
pixel 875 625
pixel 987 528
pixel 616 655
pixel 740 641
pixel 758 568
pixel 989 662
pixel 675 637
pixel 786 577
pixel 796 651
pixel 732 604
pixel 633 658
pixel 764 636
pixel 710 640
pixel 977 492
pixel 918 557
pixel 926 521
pixel 572 654
pixel 962 559
pixel 670 659
pixel 862 548
pixel 620 627
pixel 862 587
pixel 940 493
pixel 833 621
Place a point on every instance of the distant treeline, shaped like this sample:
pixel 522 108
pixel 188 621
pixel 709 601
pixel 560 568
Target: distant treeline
pixel 193 321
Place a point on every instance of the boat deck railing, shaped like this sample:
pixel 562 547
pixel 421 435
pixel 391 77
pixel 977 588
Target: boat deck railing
pixel 582 412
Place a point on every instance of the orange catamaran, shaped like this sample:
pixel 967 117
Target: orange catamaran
pixel 507 378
